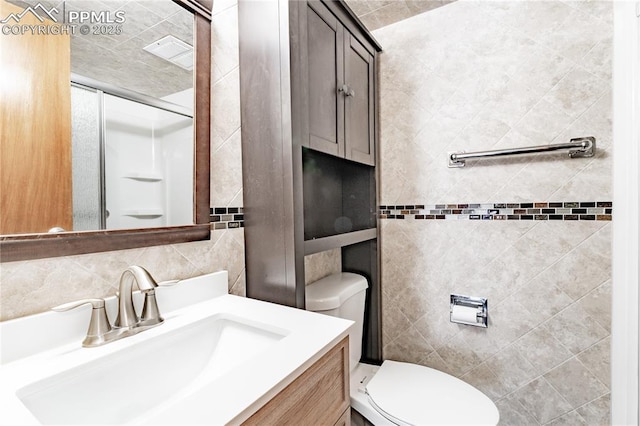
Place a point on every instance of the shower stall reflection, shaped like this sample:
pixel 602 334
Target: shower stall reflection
pixel 132 159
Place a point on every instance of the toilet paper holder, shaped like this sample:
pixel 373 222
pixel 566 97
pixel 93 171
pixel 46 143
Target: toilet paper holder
pixel 468 310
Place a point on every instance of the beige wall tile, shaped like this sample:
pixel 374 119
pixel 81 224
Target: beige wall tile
pixel 544 122
pixel 239 288
pixel 457 356
pixel 226 182
pixel 319 265
pixel 596 413
pixel 541 400
pixel 224 33
pixel 572 418
pixel 394 324
pixel 543 297
pixel 576 92
pixel 580 271
pixel 542 70
pixel 420 6
pixel 393 12
pixel 409 347
pixel 576 383
pixel 225 107
pixel 576 329
pixel 598 59
pixel 512 413
pixel 360 7
pixel 596 122
pixel 570 43
pixel 597 304
pixel 435 326
pixel 511 369
pixel 597 360
pixel 434 361
pixel 36 286
pixel 486 381
pixel 542 350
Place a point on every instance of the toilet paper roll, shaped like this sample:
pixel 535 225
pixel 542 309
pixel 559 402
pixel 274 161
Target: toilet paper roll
pixel 466 314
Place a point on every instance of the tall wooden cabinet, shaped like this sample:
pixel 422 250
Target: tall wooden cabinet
pixel 308 103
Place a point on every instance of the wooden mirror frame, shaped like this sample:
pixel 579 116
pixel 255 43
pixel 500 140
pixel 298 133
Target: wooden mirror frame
pixel 38 246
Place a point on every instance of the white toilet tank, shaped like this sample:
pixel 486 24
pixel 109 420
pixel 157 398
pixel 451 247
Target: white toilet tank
pixel 341 295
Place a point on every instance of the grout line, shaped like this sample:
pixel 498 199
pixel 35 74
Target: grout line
pixel 225 141
pixel 225 75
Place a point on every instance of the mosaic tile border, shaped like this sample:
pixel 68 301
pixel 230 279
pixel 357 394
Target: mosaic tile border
pixel 556 210
pixel 226 217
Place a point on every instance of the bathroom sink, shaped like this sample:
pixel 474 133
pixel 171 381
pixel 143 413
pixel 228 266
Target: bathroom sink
pixel 216 359
pixel 139 378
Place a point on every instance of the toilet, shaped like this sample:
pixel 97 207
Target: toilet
pixel 396 393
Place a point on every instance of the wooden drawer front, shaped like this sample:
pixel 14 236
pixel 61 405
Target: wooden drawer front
pixel 345 418
pixel 319 396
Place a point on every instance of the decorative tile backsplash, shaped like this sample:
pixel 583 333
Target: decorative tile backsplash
pixel 555 210
pixel 226 217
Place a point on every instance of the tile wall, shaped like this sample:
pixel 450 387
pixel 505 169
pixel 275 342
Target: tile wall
pixel 34 286
pixel 320 265
pixel 379 13
pixel 487 75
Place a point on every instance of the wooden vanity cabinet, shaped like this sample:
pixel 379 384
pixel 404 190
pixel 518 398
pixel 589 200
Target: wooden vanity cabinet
pixel 319 396
pixel 340 88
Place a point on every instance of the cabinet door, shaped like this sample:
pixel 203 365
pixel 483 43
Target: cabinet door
pixel 35 129
pixel 359 102
pixel 325 44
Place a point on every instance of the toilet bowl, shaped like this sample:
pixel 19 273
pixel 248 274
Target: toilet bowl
pixel 396 393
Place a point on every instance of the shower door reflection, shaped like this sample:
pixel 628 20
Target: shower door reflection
pixel 140 174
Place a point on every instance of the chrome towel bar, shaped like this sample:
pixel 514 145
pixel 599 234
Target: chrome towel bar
pixel 578 147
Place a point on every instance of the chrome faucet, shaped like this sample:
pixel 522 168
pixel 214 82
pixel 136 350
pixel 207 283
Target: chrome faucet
pixel 127 322
pixel 127 317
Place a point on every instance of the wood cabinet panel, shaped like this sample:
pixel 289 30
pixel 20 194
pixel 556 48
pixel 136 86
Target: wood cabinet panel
pixel 318 397
pixel 345 419
pixel 35 137
pixel 326 107
pixel 340 88
pixel 359 104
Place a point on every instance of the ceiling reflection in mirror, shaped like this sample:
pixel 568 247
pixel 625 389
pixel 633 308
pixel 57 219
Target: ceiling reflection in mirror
pixel 131 96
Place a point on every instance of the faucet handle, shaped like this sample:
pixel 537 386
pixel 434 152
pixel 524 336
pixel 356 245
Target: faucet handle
pixel 95 303
pixel 99 324
pixel 150 312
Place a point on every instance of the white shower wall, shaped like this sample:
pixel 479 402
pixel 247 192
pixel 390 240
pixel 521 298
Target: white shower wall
pixel 148 166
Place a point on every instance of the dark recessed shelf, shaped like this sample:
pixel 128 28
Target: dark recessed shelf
pixel 341 240
pixel 338 195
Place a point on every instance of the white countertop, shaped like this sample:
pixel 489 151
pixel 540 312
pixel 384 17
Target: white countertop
pixel 229 398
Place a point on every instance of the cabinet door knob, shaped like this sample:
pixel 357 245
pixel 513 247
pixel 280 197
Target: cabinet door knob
pixel 345 90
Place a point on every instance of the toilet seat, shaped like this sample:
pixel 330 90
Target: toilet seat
pixel 410 394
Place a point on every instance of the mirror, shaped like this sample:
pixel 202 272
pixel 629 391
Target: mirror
pixel 117 145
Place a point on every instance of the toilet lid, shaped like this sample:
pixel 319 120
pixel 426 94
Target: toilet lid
pixel 410 394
